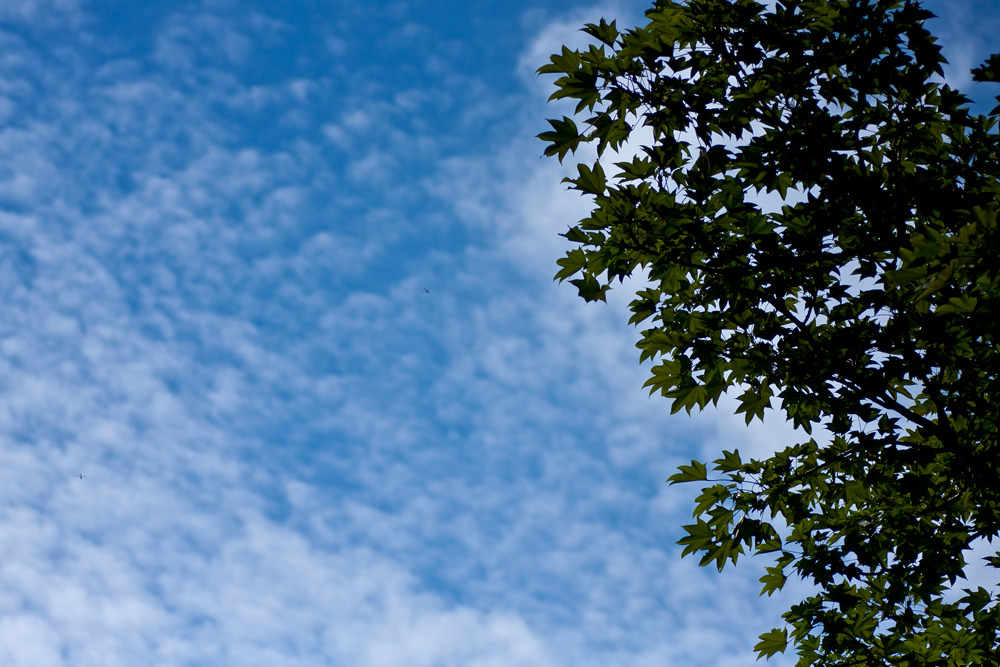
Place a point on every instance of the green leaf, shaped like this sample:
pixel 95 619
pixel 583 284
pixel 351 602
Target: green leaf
pixel 565 62
pixel 959 304
pixel 771 642
pixel 773 581
pixel 753 402
pixel 990 71
pixel 729 462
pixel 604 31
pixel 592 181
pixel 563 138
pixel 590 289
pixel 576 235
pixel 696 472
pixel 699 536
pixel 574 262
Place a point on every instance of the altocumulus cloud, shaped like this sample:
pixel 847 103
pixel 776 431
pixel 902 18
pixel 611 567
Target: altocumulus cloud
pixel 218 221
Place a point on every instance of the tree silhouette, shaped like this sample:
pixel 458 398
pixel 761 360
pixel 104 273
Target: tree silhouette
pixel 817 220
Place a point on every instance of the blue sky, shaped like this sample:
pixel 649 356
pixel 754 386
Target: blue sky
pixel 218 223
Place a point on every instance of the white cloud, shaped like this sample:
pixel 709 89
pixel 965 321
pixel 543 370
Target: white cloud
pixel 42 13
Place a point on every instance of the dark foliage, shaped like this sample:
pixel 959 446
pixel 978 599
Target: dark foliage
pixel 818 221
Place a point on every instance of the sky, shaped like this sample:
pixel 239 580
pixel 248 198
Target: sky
pixel 284 376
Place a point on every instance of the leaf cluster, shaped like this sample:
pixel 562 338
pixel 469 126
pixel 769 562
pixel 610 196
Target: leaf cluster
pixel 817 219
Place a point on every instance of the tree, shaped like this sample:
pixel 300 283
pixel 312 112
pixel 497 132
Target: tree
pixel 817 223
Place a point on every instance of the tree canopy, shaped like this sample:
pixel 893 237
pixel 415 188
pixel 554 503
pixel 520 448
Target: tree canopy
pixel 814 216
